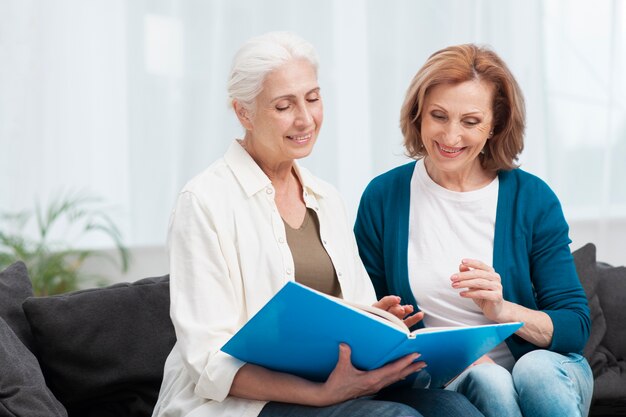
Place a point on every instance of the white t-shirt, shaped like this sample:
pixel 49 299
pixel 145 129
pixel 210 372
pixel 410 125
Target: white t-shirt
pixel 445 227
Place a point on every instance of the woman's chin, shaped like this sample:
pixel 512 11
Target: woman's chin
pixel 301 149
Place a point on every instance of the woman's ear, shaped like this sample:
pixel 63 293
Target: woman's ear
pixel 243 114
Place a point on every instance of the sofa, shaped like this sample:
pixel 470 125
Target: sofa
pixel 605 287
pixel 90 353
pixel 100 352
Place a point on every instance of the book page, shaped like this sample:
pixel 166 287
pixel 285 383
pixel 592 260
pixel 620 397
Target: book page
pixel 448 328
pixel 376 313
pixel 434 329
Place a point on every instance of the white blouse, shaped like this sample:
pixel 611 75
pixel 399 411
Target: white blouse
pixel 228 256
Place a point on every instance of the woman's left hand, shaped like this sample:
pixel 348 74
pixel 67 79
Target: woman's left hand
pixel 391 303
pixel 481 283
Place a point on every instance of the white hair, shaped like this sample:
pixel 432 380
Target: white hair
pixel 260 55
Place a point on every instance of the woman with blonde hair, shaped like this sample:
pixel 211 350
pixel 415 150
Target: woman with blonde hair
pixel 468 238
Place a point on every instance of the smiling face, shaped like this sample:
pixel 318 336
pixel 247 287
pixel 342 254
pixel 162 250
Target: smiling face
pixel 456 122
pixel 287 117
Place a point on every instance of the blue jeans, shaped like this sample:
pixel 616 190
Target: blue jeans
pixel 393 402
pixel 542 383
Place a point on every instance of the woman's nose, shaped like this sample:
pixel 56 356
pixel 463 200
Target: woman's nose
pixel 303 116
pixel 454 133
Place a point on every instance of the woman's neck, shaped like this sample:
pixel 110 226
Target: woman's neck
pixel 277 171
pixel 282 174
pixel 470 179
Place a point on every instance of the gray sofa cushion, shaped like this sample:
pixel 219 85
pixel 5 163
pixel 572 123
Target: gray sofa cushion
pixel 102 351
pixel 15 287
pixel 609 360
pixel 23 391
pixel 612 292
pixel 585 260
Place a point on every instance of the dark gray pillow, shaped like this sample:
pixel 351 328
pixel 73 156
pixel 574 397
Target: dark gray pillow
pixel 15 287
pixel 585 260
pixel 23 391
pixel 102 351
pixel 612 291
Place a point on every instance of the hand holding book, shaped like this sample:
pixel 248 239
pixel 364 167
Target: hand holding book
pixel 346 382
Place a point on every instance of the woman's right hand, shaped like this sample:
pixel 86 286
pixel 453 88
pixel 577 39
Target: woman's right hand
pixel 346 382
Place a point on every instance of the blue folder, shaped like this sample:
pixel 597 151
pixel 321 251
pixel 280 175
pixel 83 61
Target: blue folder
pixel 299 331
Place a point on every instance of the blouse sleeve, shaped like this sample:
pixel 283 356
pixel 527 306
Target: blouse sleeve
pixel 204 307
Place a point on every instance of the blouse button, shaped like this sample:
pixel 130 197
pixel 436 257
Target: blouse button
pixel 289 271
pixel 281 240
pixel 269 190
pixel 338 274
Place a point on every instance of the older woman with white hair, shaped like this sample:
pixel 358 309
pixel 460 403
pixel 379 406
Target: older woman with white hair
pixel 248 224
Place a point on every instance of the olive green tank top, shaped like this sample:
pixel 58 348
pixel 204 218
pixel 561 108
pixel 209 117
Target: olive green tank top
pixel 313 266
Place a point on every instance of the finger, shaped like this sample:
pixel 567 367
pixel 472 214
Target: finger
pixel 397 311
pixel 481 295
pixel 345 354
pixel 481 283
pixel 388 301
pixel 475 273
pixel 412 368
pixel 474 263
pixel 414 319
pixel 401 311
pixel 401 363
pixel 396 371
pixel 404 366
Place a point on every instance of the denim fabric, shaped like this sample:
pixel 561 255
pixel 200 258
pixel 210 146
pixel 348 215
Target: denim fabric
pixel 395 402
pixel 542 384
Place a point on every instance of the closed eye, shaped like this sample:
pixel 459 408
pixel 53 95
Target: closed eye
pixel 438 116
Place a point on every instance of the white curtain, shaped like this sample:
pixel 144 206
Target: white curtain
pixel 127 99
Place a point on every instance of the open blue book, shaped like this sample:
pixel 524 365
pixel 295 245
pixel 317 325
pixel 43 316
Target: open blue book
pixel 299 331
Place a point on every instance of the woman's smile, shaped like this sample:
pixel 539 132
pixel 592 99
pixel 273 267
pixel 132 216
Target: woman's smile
pixel 301 138
pixel 448 151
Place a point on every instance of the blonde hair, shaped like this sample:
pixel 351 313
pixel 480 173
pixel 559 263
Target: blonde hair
pixel 457 64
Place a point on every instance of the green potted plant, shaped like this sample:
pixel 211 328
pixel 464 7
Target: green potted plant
pixel 54 264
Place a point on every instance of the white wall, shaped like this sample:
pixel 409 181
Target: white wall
pixel 127 100
pixel 612 248
pixel 147 261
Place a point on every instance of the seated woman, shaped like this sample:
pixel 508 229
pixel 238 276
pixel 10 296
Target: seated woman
pixel 471 239
pixel 248 224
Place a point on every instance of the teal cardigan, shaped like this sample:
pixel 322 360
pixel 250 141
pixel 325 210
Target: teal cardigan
pixel 530 251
